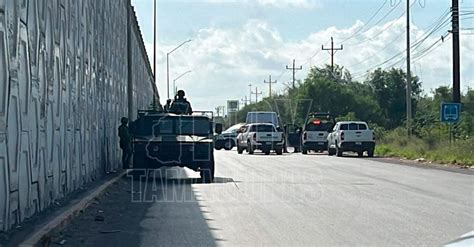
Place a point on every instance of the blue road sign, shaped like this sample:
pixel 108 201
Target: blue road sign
pixel 450 112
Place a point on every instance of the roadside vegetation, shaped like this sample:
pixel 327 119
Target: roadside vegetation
pixel 379 99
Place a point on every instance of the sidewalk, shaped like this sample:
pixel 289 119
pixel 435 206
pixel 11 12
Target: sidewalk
pixel 35 230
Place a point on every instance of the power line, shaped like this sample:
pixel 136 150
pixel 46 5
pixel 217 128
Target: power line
pixel 418 56
pixel 414 46
pixel 383 30
pixel 366 23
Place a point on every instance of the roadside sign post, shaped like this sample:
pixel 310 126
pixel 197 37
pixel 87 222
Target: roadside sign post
pixel 450 113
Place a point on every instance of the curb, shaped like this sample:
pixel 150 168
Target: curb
pixel 40 237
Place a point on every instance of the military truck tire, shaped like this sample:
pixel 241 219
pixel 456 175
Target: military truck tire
pixel 279 151
pixel 137 174
pixel 207 173
pixel 370 153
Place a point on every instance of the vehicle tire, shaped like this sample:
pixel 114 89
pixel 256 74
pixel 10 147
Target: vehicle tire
pixel 240 150
pixel 279 151
pixel 218 147
pixel 304 151
pixel 228 145
pixel 250 148
pixel 207 173
pixel 267 152
pixel 370 153
pixel 137 174
pixel 360 153
pixel 339 151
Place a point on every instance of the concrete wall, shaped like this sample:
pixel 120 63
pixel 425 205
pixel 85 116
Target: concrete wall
pixel 64 80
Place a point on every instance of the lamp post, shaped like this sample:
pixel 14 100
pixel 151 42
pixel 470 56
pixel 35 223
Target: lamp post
pixel 177 78
pixel 168 65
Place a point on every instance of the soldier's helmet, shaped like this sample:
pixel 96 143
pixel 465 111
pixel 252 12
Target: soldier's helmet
pixel 124 120
pixel 180 93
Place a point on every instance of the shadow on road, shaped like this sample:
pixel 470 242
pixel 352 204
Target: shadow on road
pixel 150 212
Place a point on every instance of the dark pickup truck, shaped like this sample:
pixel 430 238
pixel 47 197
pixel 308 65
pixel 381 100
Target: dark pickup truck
pixel 164 140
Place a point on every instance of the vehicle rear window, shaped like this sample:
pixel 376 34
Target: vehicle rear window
pixel 353 126
pixel 322 126
pixel 362 127
pixel 264 128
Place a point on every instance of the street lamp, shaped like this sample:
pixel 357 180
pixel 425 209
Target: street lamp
pixel 168 65
pixel 177 78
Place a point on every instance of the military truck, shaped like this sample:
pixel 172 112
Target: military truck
pixel 164 140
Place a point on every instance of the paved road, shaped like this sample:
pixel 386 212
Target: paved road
pixel 290 200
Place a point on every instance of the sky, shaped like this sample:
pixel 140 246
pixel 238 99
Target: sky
pixel 235 43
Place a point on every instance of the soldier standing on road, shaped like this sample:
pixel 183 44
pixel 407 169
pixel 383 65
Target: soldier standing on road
pixel 181 105
pixel 124 136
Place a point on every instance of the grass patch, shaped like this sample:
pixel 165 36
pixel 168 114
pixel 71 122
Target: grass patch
pixel 396 144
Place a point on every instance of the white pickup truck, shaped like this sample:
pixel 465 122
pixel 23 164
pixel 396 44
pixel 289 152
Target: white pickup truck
pixel 351 136
pixel 259 136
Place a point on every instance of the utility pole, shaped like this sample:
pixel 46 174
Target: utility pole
pixel 256 94
pixel 154 40
pixel 270 82
pixel 250 93
pixel 456 60
pixel 294 71
pixel 332 52
pixel 218 110
pixel 244 101
pixel 408 96
pixel 154 50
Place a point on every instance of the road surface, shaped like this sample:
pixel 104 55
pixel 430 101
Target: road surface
pixel 290 200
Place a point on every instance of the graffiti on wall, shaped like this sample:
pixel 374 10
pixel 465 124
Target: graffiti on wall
pixel 63 90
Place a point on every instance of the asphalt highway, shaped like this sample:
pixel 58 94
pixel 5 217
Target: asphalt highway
pixel 289 200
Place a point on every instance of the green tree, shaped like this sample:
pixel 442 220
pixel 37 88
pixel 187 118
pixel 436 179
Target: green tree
pixel 389 89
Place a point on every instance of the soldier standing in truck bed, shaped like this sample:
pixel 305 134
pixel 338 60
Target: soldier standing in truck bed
pixel 181 105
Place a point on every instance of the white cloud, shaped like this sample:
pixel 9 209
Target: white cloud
pixel 271 3
pixel 225 61
pixel 292 3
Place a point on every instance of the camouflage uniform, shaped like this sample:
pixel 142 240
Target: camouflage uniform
pixel 125 143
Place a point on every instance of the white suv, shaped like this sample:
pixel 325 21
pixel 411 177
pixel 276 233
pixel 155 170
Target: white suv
pixel 260 136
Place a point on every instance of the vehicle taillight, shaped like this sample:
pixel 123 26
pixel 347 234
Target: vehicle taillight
pixel 342 136
pixel 305 135
pixel 254 137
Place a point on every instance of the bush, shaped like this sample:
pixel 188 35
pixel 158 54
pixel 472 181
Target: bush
pixel 396 143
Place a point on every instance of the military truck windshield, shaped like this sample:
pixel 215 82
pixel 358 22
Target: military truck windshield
pixel 192 127
pixel 163 126
pixel 159 125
